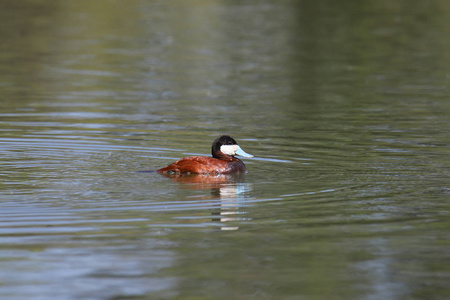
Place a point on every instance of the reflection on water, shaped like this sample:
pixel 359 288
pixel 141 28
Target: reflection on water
pixel 344 106
pixel 229 189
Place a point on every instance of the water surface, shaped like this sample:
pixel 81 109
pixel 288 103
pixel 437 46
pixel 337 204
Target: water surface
pixel 345 108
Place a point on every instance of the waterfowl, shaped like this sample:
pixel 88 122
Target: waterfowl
pixel 223 150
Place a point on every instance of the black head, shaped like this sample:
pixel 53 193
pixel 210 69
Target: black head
pixel 220 141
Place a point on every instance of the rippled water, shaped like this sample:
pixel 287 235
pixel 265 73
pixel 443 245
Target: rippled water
pixel 346 110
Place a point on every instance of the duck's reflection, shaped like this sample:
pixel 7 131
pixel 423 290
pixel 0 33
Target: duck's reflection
pixel 230 189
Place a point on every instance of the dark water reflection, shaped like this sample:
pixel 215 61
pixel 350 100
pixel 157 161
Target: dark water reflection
pixel 228 194
pixel 345 107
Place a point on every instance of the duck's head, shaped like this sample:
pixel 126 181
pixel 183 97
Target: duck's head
pixel 228 146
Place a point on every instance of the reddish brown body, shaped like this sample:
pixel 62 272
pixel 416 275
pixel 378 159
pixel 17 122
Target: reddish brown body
pixel 204 164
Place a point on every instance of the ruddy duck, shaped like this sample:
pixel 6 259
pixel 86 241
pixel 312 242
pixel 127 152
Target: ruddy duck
pixel 223 149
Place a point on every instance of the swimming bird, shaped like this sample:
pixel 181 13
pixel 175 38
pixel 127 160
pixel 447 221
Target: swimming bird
pixel 223 150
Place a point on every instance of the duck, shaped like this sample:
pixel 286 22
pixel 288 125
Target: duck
pixel 223 150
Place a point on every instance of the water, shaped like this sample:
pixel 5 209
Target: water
pixel 344 107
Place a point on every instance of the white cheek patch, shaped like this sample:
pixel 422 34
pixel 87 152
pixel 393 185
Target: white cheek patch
pixel 229 149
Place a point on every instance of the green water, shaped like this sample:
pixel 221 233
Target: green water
pixel 344 105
